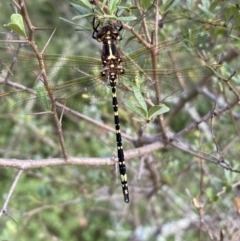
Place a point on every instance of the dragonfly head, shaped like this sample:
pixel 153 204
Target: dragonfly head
pixel 107 33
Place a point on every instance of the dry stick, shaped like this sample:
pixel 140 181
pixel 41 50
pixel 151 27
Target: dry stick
pixel 47 43
pixel 154 54
pixel 31 29
pixel 4 208
pixel 9 72
pixel 137 35
pixel 16 4
pixel 144 24
pixel 99 4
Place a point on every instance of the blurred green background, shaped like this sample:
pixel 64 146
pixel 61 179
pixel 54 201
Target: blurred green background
pixel 85 202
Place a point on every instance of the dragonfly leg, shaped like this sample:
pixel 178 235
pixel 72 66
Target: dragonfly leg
pixel 95 28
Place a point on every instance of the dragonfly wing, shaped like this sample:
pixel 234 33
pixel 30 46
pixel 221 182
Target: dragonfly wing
pixel 83 94
pixel 23 66
pixel 182 64
pixel 73 80
pixel 61 69
pixel 25 102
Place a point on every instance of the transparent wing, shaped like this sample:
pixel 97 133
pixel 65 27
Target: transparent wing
pixel 182 64
pixel 72 79
pixel 19 64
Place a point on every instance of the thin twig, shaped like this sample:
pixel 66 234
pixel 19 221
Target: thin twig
pixel 5 204
pixel 39 56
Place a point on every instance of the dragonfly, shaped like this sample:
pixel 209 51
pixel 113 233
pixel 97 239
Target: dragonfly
pixel 79 82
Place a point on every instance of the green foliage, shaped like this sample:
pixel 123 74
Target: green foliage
pixel 141 107
pixel 114 12
pixel 85 202
pixel 17 25
pixel 168 5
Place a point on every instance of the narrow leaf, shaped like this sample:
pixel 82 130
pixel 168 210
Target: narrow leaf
pixel 127 19
pixel 169 5
pixel 157 110
pixel 78 28
pixel 142 112
pixel 139 98
pixel 87 4
pixel 136 109
pixel 83 16
pixel 82 10
pixel 113 6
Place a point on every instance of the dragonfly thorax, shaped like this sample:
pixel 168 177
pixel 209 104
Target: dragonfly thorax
pixel 110 55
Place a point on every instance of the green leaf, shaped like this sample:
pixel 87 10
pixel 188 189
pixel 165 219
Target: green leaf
pixel 157 110
pixel 83 29
pixel 215 198
pixel 142 112
pixel 228 188
pixel 138 95
pixel 169 5
pixel 127 19
pixel 79 28
pixel 108 16
pixel 145 4
pixel 113 6
pixel 221 72
pixel 86 4
pixel 83 16
pixel 231 12
pixel 139 120
pixel 17 24
pixel 135 108
pixel 206 11
pixel 189 4
pixel 214 4
pixel 126 8
pixel 82 10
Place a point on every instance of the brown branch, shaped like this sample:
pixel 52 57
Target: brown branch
pixel 39 56
pixel 31 163
pixel 4 207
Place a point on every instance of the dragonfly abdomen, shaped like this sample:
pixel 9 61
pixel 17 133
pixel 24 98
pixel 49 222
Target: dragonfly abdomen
pixel 111 61
pixel 121 161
